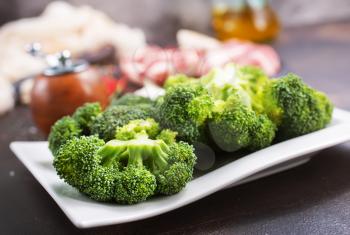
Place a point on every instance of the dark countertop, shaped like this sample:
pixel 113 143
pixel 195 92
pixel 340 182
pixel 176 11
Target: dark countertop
pixel 310 199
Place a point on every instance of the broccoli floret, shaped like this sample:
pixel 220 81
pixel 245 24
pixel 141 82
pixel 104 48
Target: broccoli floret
pixel 247 82
pixel 295 107
pixel 63 130
pixel 100 183
pixel 253 80
pixel 229 127
pixel 238 120
pixel 167 136
pixel 174 179
pixel 86 114
pixel 134 127
pixel 185 109
pixel 179 79
pixel 105 125
pixel 170 165
pixel 173 176
pixel 78 159
pixel 235 126
pixel 127 170
pixel 134 185
pixel 130 99
pixel 262 132
pixel 150 126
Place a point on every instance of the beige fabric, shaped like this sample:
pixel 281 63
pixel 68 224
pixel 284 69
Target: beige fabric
pixel 61 26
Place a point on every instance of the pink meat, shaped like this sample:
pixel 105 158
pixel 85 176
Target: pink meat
pixel 157 63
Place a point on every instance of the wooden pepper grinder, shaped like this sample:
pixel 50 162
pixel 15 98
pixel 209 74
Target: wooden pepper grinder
pixel 62 87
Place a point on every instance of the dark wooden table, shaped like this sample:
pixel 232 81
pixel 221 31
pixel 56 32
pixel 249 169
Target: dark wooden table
pixel 311 199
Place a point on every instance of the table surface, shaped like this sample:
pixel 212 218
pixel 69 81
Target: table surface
pixel 310 199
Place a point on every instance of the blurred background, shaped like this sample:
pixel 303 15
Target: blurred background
pixel 195 14
pixel 130 42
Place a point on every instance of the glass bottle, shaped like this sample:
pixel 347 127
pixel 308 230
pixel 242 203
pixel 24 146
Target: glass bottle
pixel 253 20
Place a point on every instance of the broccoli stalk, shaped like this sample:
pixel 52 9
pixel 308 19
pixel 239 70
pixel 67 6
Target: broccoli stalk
pixel 135 183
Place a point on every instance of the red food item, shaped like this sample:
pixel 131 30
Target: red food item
pixel 156 64
pixel 112 84
pixel 243 53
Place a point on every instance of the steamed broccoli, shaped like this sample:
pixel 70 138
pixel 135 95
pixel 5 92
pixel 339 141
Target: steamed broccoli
pixel 167 136
pixel 185 109
pixel 235 126
pixel 179 79
pixel 86 114
pixel 63 130
pixel 67 127
pixel 247 82
pixel 134 127
pixel 237 120
pixel 106 124
pixel 295 107
pixel 76 158
pixel 131 157
pixel 131 99
pixel 128 169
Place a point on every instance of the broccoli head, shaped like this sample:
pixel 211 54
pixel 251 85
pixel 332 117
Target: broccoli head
pixel 130 99
pixel 235 126
pixel 77 159
pixel 167 136
pixel 86 114
pixel 171 165
pixel 105 125
pixel 185 109
pixel 295 107
pixel 134 127
pixel 127 170
pixel 173 176
pixel 179 79
pixel 248 82
pixel 63 130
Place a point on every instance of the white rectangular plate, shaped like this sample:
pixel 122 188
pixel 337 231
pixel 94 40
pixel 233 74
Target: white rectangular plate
pixel 85 213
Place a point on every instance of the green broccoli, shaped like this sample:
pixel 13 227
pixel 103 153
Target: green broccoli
pixel 77 159
pixel 129 131
pixel 127 170
pixel 235 126
pixel 174 169
pixel 253 81
pixel 247 82
pixel 106 124
pixel 179 79
pixel 295 107
pixel 185 109
pixel 86 114
pixel 167 136
pixel 238 120
pixel 63 130
pixel 130 99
